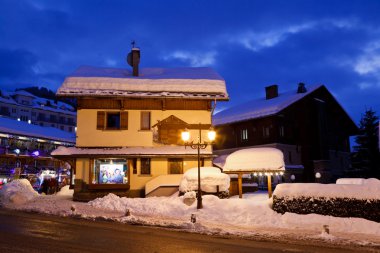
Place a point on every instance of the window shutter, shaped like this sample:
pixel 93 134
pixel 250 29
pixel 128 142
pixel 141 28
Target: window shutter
pixel 100 120
pixel 124 120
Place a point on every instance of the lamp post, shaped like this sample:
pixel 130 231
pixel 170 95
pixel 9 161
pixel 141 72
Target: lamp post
pixel 198 145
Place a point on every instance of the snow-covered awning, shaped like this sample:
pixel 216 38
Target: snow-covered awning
pixel 163 151
pixel 255 160
pixel 196 83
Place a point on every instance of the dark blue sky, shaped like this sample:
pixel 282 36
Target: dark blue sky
pixel 252 44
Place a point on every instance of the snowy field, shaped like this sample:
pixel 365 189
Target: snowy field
pixel 248 217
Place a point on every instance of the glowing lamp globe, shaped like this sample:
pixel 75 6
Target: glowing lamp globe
pixel 211 135
pixel 185 135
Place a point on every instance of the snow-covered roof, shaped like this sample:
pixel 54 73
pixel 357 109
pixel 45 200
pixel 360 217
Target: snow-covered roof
pixel 202 83
pixel 24 93
pixel 38 102
pixel 260 107
pixel 14 127
pixel 132 151
pixel 255 159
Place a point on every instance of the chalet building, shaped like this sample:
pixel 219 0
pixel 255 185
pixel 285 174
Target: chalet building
pixel 130 122
pixel 307 124
pixel 28 146
pixel 24 106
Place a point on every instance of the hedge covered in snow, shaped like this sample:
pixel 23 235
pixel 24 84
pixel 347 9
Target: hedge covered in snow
pixel 340 200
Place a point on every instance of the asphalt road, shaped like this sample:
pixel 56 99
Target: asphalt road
pixel 28 232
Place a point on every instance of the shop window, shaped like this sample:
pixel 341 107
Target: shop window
pixel 110 171
pixel 145 166
pixel 145 121
pixel 175 165
pixel 112 120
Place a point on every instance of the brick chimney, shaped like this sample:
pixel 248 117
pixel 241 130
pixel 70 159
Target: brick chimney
pixel 301 88
pixel 271 91
pixel 134 60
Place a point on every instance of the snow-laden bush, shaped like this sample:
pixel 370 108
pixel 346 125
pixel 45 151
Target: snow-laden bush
pixel 211 177
pixel 361 199
pixel 17 192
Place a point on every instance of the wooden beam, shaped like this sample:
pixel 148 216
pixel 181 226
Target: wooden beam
pixel 240 185
pixel 269 186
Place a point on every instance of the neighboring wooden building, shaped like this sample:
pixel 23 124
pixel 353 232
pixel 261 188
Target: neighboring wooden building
pixel 307 124
pixel 130 123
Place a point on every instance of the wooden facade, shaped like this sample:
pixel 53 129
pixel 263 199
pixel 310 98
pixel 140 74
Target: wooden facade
pixel 143 104
pixel 316 126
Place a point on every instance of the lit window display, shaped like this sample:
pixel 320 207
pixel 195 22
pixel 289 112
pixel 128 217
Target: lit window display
pixel 110 171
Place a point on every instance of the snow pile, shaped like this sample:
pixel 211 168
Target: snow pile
pixel 153 206
pixel 350 181
pixel 255 159
pixel 211 177
pixel 249 216
pixel 66 192
pixel 17 192
pixel 370 189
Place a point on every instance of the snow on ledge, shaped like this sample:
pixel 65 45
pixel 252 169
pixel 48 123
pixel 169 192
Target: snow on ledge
pixel 160 150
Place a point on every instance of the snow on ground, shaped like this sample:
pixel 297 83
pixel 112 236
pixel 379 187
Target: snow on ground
pixel 249 216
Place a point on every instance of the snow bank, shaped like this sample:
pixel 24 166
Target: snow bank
pixel 17 192
pixel 66 192
pixel 350 181
pixel 211 177
pixel 243 217
pixel 370 189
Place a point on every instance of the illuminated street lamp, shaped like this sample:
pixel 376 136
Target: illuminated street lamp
pixel 198 145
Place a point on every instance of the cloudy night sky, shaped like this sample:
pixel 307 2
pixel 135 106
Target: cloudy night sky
pixel 252 44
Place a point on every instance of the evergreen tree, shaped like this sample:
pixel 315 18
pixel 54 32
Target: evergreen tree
pixel 367 149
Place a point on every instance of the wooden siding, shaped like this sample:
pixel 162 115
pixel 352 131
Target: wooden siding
pixel 144 104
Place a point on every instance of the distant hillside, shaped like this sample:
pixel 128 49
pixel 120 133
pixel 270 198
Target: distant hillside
pixel 48 94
